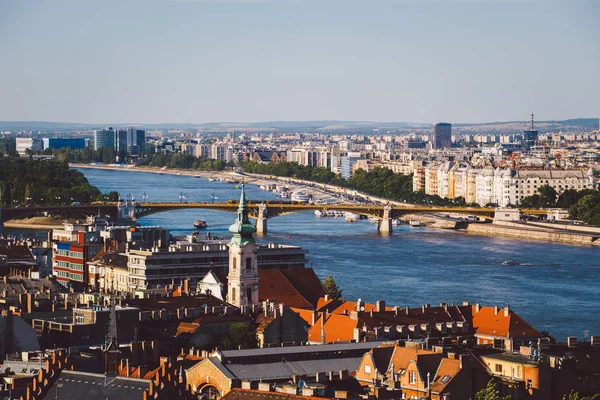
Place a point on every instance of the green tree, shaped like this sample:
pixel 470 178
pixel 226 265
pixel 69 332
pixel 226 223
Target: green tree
pixel 240 335
pixel 332 288
pixel 490 392
pixel 587 209
pixel 548 196
pixel 573 395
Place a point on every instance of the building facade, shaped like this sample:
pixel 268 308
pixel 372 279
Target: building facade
pixel 442 135
pixel 104 138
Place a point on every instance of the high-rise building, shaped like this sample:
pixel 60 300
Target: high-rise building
pixel 442 135
pixel 348 162
pixel 136 140
pixel 104 138
pixel 120 140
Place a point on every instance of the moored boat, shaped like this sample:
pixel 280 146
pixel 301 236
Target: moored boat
pixel 200 224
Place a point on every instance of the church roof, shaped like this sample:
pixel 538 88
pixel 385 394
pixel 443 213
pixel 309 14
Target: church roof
pixel 299 288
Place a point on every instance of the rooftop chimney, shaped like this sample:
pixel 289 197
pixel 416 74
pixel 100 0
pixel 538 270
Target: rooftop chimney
pixel 571 341
pixel 380 306
pixel 360 305
pixel 495 310
pixel 506 310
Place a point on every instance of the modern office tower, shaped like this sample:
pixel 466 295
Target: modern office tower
pixel 120 140
pixel 136 140
pixel 347 162
pixel 104 138
pixel 442 135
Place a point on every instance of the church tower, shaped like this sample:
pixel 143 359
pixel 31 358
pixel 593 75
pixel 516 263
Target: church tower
pixel 243 269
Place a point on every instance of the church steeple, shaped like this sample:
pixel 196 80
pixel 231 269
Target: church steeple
pixel 243 266
pixel 111 342
pixel 242 228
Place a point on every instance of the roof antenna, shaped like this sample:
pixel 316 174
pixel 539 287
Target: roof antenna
pixel 531 121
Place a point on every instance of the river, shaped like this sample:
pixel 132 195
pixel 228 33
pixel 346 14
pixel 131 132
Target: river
pixel 555 287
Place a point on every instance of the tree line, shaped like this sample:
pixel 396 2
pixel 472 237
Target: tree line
pixel 24 181
pixel 583 205
pixel 184 161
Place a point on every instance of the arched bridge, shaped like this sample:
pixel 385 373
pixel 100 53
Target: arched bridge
pixel 259 210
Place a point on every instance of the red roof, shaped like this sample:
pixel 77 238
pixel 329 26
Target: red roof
pixel 489 323
pixel 338 328
pixel 300 288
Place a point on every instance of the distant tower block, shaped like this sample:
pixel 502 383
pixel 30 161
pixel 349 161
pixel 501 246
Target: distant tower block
pixel 243 266
pixel 530 137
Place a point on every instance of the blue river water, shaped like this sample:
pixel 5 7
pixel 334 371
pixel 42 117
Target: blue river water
pixel 555 287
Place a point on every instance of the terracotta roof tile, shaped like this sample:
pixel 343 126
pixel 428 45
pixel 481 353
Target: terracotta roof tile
pixel 447 370
pixel 487 322
pixel 300 288
pixel 338 328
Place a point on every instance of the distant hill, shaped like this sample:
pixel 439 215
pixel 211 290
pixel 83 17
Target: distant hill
pixel 583 124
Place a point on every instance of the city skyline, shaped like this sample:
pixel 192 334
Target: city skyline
pixel 203 61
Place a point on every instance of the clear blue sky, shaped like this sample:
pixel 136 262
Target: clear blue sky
pixel 202 60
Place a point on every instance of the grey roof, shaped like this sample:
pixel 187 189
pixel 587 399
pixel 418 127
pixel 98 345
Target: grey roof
pixel 318 348
pixel 74 385
pixel 217 363
pixel 285 370
pixel 30 368
pixel 511 357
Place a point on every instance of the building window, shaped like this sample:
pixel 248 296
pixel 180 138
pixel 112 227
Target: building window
pixel 367 369
pixel 499 368
pixel 412 377
pixel 249 295
pixel 529 384
pixel 248 264
pixel 234 263
pixel 232 294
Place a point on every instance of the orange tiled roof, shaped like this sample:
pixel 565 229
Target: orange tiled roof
pixel 338 328
pixel 403 355
pixel 487 322
pixel 300 288
pixel 448 367
pixel 263 321
pixel 186 327
pixel 348 306
pixel 304 314
pixel 322 302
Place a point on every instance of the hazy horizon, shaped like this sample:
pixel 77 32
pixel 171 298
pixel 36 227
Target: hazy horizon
pixel 248 61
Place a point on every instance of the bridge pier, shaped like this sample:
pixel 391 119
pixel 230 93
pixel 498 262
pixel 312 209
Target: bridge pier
pixel 261 221
pixel 126 211
pixel 385 224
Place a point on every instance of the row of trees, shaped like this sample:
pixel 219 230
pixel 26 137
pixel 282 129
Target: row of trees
pixel 185 161
pixel 583 205
pixel 24 181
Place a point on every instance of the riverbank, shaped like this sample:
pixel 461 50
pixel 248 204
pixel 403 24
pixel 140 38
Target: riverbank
pixel 329 193
pixel 41 223
pixel 321 190
pixel 519 231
